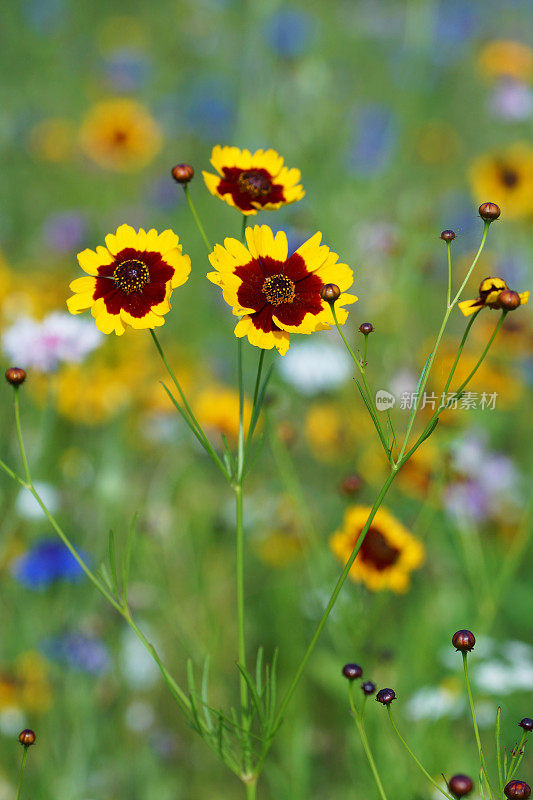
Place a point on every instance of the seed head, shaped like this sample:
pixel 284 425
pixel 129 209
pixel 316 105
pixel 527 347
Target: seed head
pixel 352 671
pixel 330 292
pixel 366 328
pixel 447 236
pixel 464 641
pixel 526 724
pixel 508 300
pixel 517 789
pixel 368 687
pixel 460 785
pixel 27 737
pixel 489 212
pixel 386 696
pixel 15 376
pixel 351 484
pixel 182 173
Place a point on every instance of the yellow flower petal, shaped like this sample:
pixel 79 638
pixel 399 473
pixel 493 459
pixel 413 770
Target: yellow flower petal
pixel 89 260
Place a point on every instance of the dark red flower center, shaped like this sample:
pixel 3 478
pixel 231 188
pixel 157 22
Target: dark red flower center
pixel 376 551
pixel 509 177
pixel 279 289
pixel 254 183
pixel 131 275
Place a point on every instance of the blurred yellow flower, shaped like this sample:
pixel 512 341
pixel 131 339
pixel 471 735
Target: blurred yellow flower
pixel 52 139
pixel 388 554
pixel 120 135
pixel 217 409
pixel 505 178
pixel 25 684
pixel 506 59
pixel 278 548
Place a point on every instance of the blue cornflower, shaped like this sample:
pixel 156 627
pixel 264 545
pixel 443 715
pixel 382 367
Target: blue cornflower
pixel 289 32
pixel 47 562
pixel 78 651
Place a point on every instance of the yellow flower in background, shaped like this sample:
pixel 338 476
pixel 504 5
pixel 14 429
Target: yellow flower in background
pixel 276 294
pixel 131 279
pixel 52 139
pixel 120 135
pixel 279 549
pixel 25 685
pixel 388 554
pixel 506 59
pixel 506 178
pixel 217 409
pixel 252 181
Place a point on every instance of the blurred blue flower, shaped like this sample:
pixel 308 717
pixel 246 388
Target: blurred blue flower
pixel 64 231
pixel 210 110
pixel 456 21
pixel 127 69
pixel 45 15
pixel 165 193
pixel 375 139
pixel 289 32
pixel 47 562
pixel 78 651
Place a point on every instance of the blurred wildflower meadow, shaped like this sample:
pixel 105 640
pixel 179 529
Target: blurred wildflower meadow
pixel 403 118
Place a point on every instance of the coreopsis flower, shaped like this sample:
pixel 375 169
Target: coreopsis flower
pixel 507 178
pixel 276 294
pixel 506 59
pixel 388 554
pixel 130 280
pixel 252 182
pixel 489 295
pixel 120 135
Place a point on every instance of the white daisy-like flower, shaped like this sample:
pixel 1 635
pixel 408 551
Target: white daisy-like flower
pixel 315 366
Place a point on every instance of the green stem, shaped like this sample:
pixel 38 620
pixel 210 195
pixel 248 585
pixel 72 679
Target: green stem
pixel 23 765
pixel 415 759
pixel 460 350
pixel 19 434
pixel 251 789
pixel 366 746
pixel 243 229
pixel 514 763
pixel 449 253
pixel 197 218
pixel 474 721
pixel 498 749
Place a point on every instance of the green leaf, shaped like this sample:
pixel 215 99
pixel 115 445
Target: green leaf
pixel 126 562
pixel 112 562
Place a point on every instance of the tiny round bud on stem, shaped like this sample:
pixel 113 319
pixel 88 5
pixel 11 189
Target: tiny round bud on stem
pixel 464 641
pixel 182 173
pixel 508 300
pixel 526 724
pixel 352 671
pixel 447 236
pixel 330 292
pixel 489 212
pixel 366 328
pixel 517 789
pixel 15 376
pixel 386 696
pixel 368 687
pixel 27 737
pixel 460 785
pixel 351 484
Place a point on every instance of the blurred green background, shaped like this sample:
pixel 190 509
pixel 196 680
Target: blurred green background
pixel 403 117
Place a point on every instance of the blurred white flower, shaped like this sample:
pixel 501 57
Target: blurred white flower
pixel 28 507
pixel 12 721
pixel 511 101
pixel 140 670
pixel 139 716
pixel 44 345
pixel 498 677
pixel 313 367
pixel 433 702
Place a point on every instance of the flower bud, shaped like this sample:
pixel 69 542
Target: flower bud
pixel 15 376
pixel 368 687
pixel 464 641
pixel 518 789
pixel 366 328
pixel 330 292
pixel 508 300
pixel 182 173
pixel 489 212
pixel 460 785
pixel 351 484
pixel 352 671
pixel 526 724
pixel 27 737
pixel 447 236
pixel 386 696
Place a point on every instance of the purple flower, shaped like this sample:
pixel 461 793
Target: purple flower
pixel 375 139
pixel 64 231
pixel 127 69
pixel 78 651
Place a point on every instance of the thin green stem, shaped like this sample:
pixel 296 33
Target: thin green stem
pixel 251 789
pixel 460 350
pixel 415 759
pixel 22 767
pixel 19 434
pixel 482 356
pixel 514 763
pixel 449 254
pixel 358 718
pixel 474 721
pixel 498 749
pixel 243 229
pixel 197 218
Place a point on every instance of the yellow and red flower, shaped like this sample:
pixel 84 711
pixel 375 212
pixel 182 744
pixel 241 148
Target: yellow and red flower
pixel 252 181
pixel 130 281
pixel 388 554
pixel 507 178
pixel 489 292
pixel 275 294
